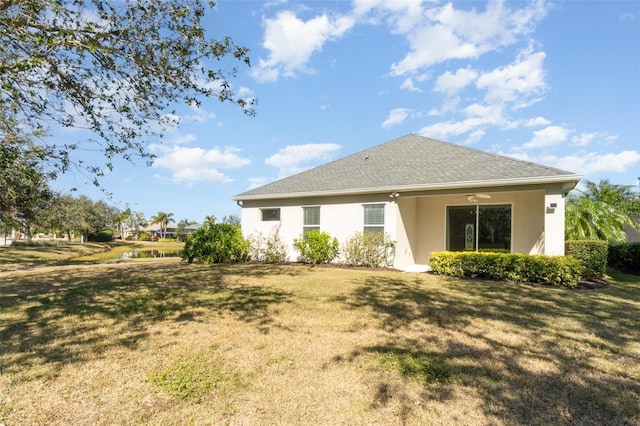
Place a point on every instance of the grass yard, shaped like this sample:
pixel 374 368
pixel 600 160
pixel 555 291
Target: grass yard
pixel 171 343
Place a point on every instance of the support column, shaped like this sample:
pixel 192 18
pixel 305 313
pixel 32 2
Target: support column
pixel 554 224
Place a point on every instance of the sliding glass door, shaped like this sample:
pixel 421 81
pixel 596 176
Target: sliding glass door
pixel 479 228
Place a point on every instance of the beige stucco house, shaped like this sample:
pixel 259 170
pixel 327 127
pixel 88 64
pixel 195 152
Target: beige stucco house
pixel 428 195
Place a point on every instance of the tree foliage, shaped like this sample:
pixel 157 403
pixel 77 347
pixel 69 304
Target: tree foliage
pixel 163 219
pixel 218 243
pixel 181 228
pixel 112 67
pixel 600 212
pixel 79 215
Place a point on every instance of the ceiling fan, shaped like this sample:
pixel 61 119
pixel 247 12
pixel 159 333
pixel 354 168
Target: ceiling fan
pixel 474 197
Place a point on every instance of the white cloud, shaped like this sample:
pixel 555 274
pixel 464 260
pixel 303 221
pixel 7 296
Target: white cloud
pixel 507 88
pixel 549 136
pixel 402 16
pixel 628 16
pixel 478 117
pixel 445 130
pixel 197 164
pixel 258 181
pixel 537 121
pixel 587 163
pixel 408 85
pixel 451 33
pixel 451 84
pixel 619 162
pixel 296 158
pixel 245 92
pixel 177 138
pixel 291 42
pixel 520 79
pixel 585 139
pixel 396 116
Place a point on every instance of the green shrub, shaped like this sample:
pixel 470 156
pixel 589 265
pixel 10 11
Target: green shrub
pixel 145 236
pixel 316 247
pixel 549 270
pixel 268 250
pixel 218 243
pixel 592 254
pixel 372 249
pixel 103 236
pixel 625 257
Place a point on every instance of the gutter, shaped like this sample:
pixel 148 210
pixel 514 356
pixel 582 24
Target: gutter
pixel 571 179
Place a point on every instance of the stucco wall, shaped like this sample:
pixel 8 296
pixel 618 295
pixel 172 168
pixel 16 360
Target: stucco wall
pixel 341 217
pixel 417 222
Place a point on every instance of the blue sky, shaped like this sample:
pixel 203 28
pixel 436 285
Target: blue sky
pixel 557 83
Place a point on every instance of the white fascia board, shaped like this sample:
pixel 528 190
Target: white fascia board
pixel 571 179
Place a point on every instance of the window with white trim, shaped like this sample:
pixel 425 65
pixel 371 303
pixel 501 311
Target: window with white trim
pixel 374 218
pixel 311 219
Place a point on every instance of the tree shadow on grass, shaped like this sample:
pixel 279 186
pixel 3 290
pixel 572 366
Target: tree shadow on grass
pixel 69 315
pixel 563 374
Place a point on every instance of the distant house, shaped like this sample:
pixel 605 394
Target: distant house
pixel 428 195
pixel 156 232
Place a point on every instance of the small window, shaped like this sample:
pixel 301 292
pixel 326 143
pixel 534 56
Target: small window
pixel 270 214
pixel 311 219
pixel 374 218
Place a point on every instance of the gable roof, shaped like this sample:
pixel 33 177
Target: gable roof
pixel 409 163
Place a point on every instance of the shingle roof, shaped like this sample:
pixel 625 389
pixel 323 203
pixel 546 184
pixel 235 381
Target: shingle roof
pixel 411 162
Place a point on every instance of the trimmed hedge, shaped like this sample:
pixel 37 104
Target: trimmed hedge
pixel 625 257
pixel 550 270
pixel 593 255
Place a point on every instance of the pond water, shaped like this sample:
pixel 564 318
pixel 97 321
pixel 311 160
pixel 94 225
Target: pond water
pixel 146 254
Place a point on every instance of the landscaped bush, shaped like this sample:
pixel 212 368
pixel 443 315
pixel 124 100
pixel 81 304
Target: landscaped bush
pixel 316 247
pixel 145 236
pixel 219 243
pixel 267 249
pixel 103 236
pixel 625 257
pixel 370 249
pixel 550 270
pixel 592 254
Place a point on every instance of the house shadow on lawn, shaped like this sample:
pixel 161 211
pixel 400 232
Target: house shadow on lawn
pixel 531 354
pixel 75 314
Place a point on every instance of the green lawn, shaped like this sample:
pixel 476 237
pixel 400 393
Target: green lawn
pixel 173 343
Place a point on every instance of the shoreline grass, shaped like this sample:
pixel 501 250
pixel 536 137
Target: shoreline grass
pixel 175 343
pixel 60 252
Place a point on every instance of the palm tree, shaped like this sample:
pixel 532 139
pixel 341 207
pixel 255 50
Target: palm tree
pixel 135 221
pixel 121 219
pixel 209 221
pixel 621 196
pixel 163 219
pixel 600 212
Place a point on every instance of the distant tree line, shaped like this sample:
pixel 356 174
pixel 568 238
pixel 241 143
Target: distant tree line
pixel 41 211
